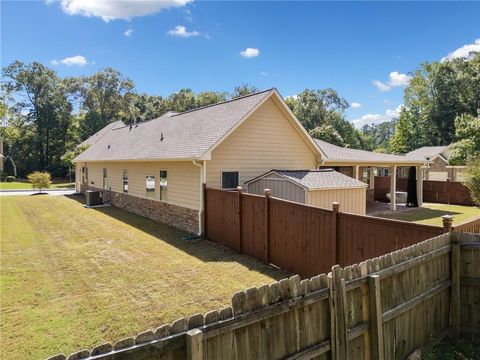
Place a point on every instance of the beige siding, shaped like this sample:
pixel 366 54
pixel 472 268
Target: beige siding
pixel 281 188
pixel 265 141
pixel 183 179
pixel 351 200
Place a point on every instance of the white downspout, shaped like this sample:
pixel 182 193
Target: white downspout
pixel 202 205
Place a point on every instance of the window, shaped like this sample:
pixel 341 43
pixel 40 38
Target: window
pixel 125 180
pixel 105 179
pixel 150 186
pixel 229 179
pixel 163 185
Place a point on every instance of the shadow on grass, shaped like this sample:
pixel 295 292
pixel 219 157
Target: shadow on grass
pixel 421 214
pixel 205 250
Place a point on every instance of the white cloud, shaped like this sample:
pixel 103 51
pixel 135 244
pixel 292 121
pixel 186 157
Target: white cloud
pixel 398 79
pixel 250 52
pixel 394 79
pixel 263 73
pixel 78 60
pixel 181 31
pixel 464 51
pixel 113 10
pixel 380 85
pixel 389 115
pixel 128 33
pixel 355 105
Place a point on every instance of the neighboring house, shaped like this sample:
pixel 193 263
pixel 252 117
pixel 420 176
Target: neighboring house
pixel 361 165
pixel 158 168
pixel 313 187
pixel 439 168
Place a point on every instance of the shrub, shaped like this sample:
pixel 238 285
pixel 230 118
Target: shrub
pixel 40 180
pixel 472 180
pixel 10 178
pixel 9 167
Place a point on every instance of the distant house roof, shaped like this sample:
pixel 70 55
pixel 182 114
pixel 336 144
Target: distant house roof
pixel 429 152
pixel 179 136
pixel 315 179
pixel 336 153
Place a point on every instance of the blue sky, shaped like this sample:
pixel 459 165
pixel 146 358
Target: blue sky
pixel 174 44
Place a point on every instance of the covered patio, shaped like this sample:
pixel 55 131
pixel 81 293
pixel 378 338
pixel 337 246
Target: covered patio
pixel 365 165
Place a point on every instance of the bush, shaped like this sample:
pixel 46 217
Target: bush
pixel 40 180
pixel 472 180
pixel 9 167
pixel 10 178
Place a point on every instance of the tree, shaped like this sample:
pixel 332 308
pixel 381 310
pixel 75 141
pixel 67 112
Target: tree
pixel 40 180
pixel 321 112
pixel 209 97
pixel 437 94
pixel 243 90
pixel 181 101
pixel 104 98
pixel 40 112
pixel 142 107
pixel 467 131
pixel 377 136
pixel 472 180
pixel 9 167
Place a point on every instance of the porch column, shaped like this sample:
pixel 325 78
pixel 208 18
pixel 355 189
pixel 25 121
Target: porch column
pixel 420 185
pixel 356 172
pixel 372 177
pixel 393 188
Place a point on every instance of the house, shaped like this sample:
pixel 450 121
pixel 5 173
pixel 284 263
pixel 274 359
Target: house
pixel 438 168
pixel 158 168
pixel 313 187
pixel 361 165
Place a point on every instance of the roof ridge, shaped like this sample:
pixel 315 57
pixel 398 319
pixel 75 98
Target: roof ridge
pixel 223 102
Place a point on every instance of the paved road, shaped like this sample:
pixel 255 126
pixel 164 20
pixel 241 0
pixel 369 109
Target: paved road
pixel 29 192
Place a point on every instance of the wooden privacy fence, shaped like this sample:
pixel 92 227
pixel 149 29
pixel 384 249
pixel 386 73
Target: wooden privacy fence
pixel 384 308
pixel 303 239
pixel 446 192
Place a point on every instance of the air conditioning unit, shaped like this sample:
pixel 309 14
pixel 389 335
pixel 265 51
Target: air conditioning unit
pixel 94 197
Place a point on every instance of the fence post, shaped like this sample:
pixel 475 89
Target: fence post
pixel 455 289
pixel 338 312
pixel 336 245
pixel 240 240
pixel 448 188
pixel 447 223
pixel 194 341
pixel 376 323
pixel 268 194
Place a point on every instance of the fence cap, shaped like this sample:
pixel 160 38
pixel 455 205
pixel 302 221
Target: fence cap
pixel 267 192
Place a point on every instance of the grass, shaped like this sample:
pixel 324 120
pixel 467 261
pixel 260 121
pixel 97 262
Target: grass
pixel 73 277
pixel 25 185
pixel 431 214
pixel 462 348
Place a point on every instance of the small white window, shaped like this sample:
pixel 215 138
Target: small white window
pixel 125 180
pixel 163 185
pixel 229 179
pixel 150 186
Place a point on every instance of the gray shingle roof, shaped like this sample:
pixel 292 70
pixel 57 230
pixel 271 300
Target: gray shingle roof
pixel 317 179
pixel 427 152
pixel 334 152
pixel 186 135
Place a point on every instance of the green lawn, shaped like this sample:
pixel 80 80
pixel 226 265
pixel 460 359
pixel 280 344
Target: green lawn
pixel 24 185
pixel 71 277
pixel 431 214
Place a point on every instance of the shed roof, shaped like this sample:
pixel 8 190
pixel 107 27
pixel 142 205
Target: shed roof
pixel 338 153
pixel 315 179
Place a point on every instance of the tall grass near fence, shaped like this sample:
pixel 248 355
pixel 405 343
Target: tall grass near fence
pixel 383 308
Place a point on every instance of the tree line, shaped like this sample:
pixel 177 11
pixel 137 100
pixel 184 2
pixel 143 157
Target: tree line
pixel 45 116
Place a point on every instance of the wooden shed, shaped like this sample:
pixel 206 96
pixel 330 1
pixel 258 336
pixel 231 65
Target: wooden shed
pixel 313 187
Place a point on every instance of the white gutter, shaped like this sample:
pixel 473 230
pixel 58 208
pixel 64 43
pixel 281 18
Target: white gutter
pixel 201 210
